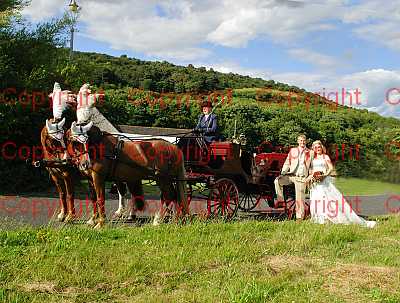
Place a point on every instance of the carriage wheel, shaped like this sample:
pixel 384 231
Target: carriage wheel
pixel 253 196
pixel 291 209
pixel 223 199
pixel 248 201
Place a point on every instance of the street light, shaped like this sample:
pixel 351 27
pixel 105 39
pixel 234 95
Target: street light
pixel 74 13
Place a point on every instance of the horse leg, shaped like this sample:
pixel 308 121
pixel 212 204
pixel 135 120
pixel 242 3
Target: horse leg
pixel 69 187
pixel 63 211
pixel 137 194
pixel 99 186
pixel 120 212
pixel 93 197
pixel 182 199
pixel 167 195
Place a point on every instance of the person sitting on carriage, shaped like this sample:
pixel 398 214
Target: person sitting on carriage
pixel 207 123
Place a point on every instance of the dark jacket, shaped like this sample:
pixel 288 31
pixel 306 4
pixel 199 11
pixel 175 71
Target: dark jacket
pixel 207 126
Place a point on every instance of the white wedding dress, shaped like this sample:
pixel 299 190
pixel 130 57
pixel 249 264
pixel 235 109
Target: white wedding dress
pixel 327 204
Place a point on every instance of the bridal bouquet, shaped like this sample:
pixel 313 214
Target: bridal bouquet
pixel 318 176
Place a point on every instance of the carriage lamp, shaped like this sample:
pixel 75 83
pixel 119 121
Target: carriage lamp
pixel 74 9
pixel 73 6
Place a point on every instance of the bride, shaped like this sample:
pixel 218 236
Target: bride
pixel 326 202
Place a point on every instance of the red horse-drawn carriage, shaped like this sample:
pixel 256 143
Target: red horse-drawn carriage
pixel 230 179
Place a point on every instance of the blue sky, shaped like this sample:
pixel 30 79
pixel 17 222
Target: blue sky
pixel 315 45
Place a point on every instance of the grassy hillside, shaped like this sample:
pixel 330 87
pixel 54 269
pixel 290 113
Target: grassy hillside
pixel 202 262
pixel 114 72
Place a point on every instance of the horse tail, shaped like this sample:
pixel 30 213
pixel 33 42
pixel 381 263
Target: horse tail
pixel 181 186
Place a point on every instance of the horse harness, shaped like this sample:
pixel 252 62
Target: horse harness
pixel 115 157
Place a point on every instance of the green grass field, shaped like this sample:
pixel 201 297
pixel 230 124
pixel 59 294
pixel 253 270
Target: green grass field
pixel 354 186
pixel 247 261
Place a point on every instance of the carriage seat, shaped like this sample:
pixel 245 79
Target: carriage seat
pixel 274 161
pixel 223 149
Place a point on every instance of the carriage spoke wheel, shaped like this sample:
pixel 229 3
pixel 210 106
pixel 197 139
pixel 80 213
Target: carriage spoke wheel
pixel 248 201
pixel 223 199
pixel 291 209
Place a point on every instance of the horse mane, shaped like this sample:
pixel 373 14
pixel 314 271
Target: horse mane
pixel 96 135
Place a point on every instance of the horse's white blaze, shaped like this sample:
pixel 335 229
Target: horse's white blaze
pixel 87 157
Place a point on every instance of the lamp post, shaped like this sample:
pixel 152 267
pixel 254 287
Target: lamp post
pixel 73 14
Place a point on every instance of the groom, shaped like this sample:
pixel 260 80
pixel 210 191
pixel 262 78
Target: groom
pixel 295 170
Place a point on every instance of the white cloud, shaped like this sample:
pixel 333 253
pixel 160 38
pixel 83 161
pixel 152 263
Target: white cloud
pixel 39 10
pixel 177 29
pixel 378 89
pixel 281 21
pixel 313 57
pixel 385 33
pixel 374 85
pixel 376 22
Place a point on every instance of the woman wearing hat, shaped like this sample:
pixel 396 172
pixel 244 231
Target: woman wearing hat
pixel 207 123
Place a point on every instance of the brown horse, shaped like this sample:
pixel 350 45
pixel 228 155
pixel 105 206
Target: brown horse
pixel 55 155
pixel 101 156
pixel 56 160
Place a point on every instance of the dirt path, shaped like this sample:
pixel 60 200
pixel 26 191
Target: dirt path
pixel 41 209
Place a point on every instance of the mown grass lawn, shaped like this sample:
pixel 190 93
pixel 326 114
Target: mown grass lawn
pixel 355 186
pixel 246 261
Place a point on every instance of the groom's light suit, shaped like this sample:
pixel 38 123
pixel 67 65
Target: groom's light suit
pixel 295 170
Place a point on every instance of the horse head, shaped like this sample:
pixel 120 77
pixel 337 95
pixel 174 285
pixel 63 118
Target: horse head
pixel 78 144
pixel 54 139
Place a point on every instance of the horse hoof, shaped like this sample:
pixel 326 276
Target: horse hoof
pixel 69 218
pixel 91 222
pixel 99 225
pixel 119 213
pixel 156 220
pixel 61 216
pixel 131 217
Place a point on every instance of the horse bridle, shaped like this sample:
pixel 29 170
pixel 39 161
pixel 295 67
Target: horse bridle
pixel 83 139
pixel 55 136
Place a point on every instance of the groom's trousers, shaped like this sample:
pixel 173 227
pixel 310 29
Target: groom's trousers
pixel 300 187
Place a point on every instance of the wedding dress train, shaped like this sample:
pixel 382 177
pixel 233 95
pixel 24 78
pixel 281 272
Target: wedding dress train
pixel 327 204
